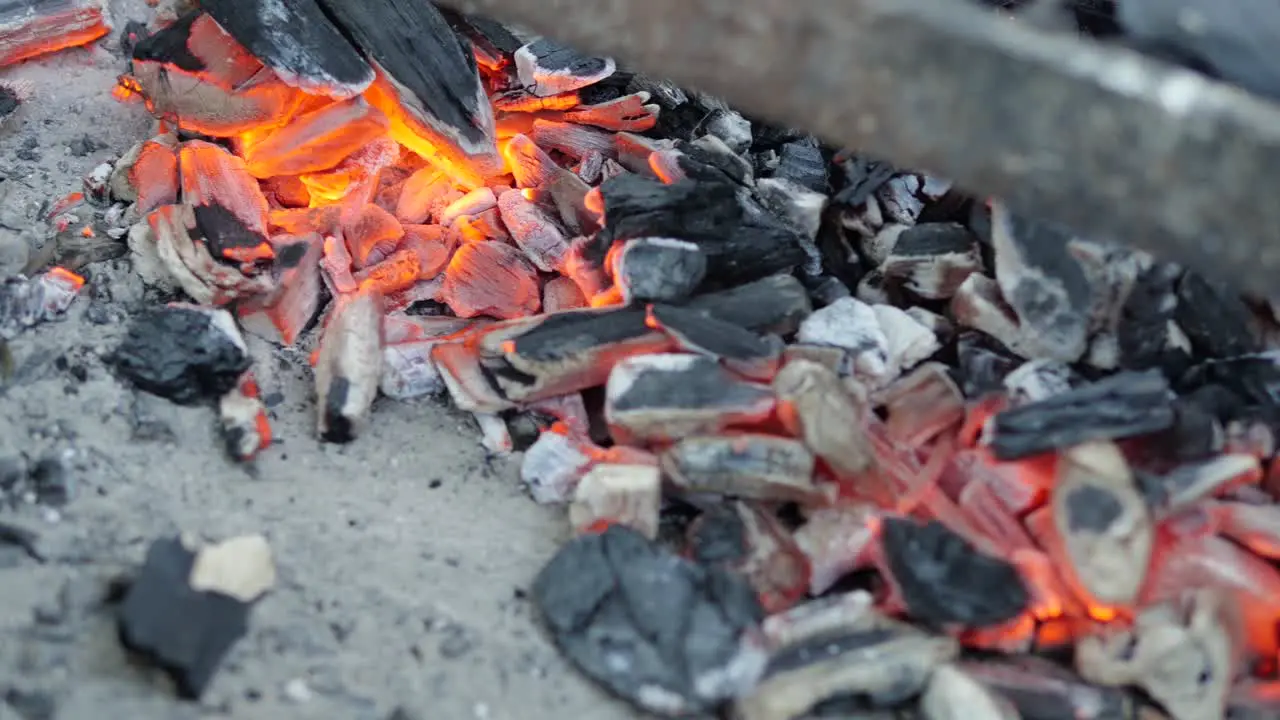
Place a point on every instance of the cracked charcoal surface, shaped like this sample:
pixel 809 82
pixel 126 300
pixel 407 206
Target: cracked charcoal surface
pixel 178 354
pixel 633 616
pixel 1215 319
pixel 946 580
pixel 1123 405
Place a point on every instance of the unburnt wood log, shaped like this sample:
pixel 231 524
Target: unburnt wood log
pixel 296 40
pixel 29 28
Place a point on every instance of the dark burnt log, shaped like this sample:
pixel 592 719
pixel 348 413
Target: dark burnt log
pixel 494 45
pixel 432 75
pixel 742 241
pixel 296 40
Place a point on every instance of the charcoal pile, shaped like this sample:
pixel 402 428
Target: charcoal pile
pixel 835 438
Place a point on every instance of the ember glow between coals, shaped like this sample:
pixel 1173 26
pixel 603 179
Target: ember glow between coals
pixel 561 251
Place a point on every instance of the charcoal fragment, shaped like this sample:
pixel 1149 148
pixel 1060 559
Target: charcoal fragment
pixel 183 353
pixel 669 635
pixel 547 68
pixel 945 580
pixel 801 162
pixel 1215 319
pixel 1143 328
pixel 933 259
pixel 862 178
pixel 660 269
pixel 190 604
pixel 739 349
pixel 1123 405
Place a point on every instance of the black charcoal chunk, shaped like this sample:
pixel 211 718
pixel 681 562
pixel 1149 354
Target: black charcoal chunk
pixel 946 580
pixel 169 45
pixel 862 177
pixel 1253 380
pixel 708 158
pixel 1043 283
pixel 659 269
pixel 700 332
pixel 671 636
pixel 1123 405
pixel 185 354
pixel 413 43
pixel 741 244
pixel 487 36
pixel 981 367
pixel 9 100
pixel 1142 333
pixel 801 162
pixel 933 259
pixel 731 128
pixel 546 67
pixel 177 618
pixel 296 40
pixel 1215 319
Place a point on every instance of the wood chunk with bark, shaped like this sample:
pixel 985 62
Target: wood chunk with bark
pixel 30 28
pixel 298 41
pixel 1104 524
pixel 349 366
pixel 427 83
pixel 665 397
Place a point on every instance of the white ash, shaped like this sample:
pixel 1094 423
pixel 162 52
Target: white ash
pixel 731 128
pixel 882 340
pixel 552 467
pixel 1037 380
pixel 627 494
pixel 495 436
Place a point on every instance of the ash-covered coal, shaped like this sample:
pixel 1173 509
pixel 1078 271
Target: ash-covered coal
pixel 670 635
pixel 184 353
pixel 944 579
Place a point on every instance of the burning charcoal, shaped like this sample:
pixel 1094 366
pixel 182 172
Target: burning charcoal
pixel 631 113
pixel 817 407
pixel 953 695
pixel 683 636
pixel 836 541
pixel 871 664
pixel 554 466
pixel 801 162
pixel 371 234
pixel 315 141
pixel 1043 283
pixel 575 141
pixel 299 42
pixel 494 44
pixel 427 84
pixel 945 580
pixel 1123 405
pixel 184 353
pixel 883 340
pixel 348 366
pixel 632 152
pixel 288 310
pixel 547 68
pixel 27 302
pixel 193 70
pixel 708 158
pixel 669 396
pixel 473 203
pixel 739 349
pixel 185 248
pixel 628 495
pixel 661 269
pixel 227 202
pixel 738 248
pixel 1215 319
pixel 336 264
pixel 561 293
pixel 531 166
pixel 244 420
pixel 1190 483
pixel 922 404
pixel 29 28
pixel 537 235
pixel 1104 525
pixel 776 305
pixel 495 436
pixel 189 604
pixel 424 194
pixel 1185 657
pixel 750 542
pixel 490 278
pixel 749 465
pixel 148 174
pixel 933 259
pixel 569 194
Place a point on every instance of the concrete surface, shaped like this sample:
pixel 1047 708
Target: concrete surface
pixel 403 557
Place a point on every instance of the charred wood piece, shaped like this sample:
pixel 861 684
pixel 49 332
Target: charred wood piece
pixel 547 68
pixel 30 28
pixel 671 636
pixel 658 269
pixel 1123 405
pixel 739 349
pixel 190 604
pixel 747 539
pixel 184 353
pixel 629 495
pixel 945 580
pixel 298 41
pixel 349 366
pixel 817 407
pixel 747 465
pixel 1039 688
pixel 27 302
pixel 245 428
pixel 933 259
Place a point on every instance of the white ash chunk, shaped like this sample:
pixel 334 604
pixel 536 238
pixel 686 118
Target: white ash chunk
pixel 241 567
pixel 534 231
pixel 953 695
pixel 553 466
pixel 731 127
pixel 495 436
pixel 408 371
pixel 627 494
pixel 1037 380
pixel 836 541
pixel 882 340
